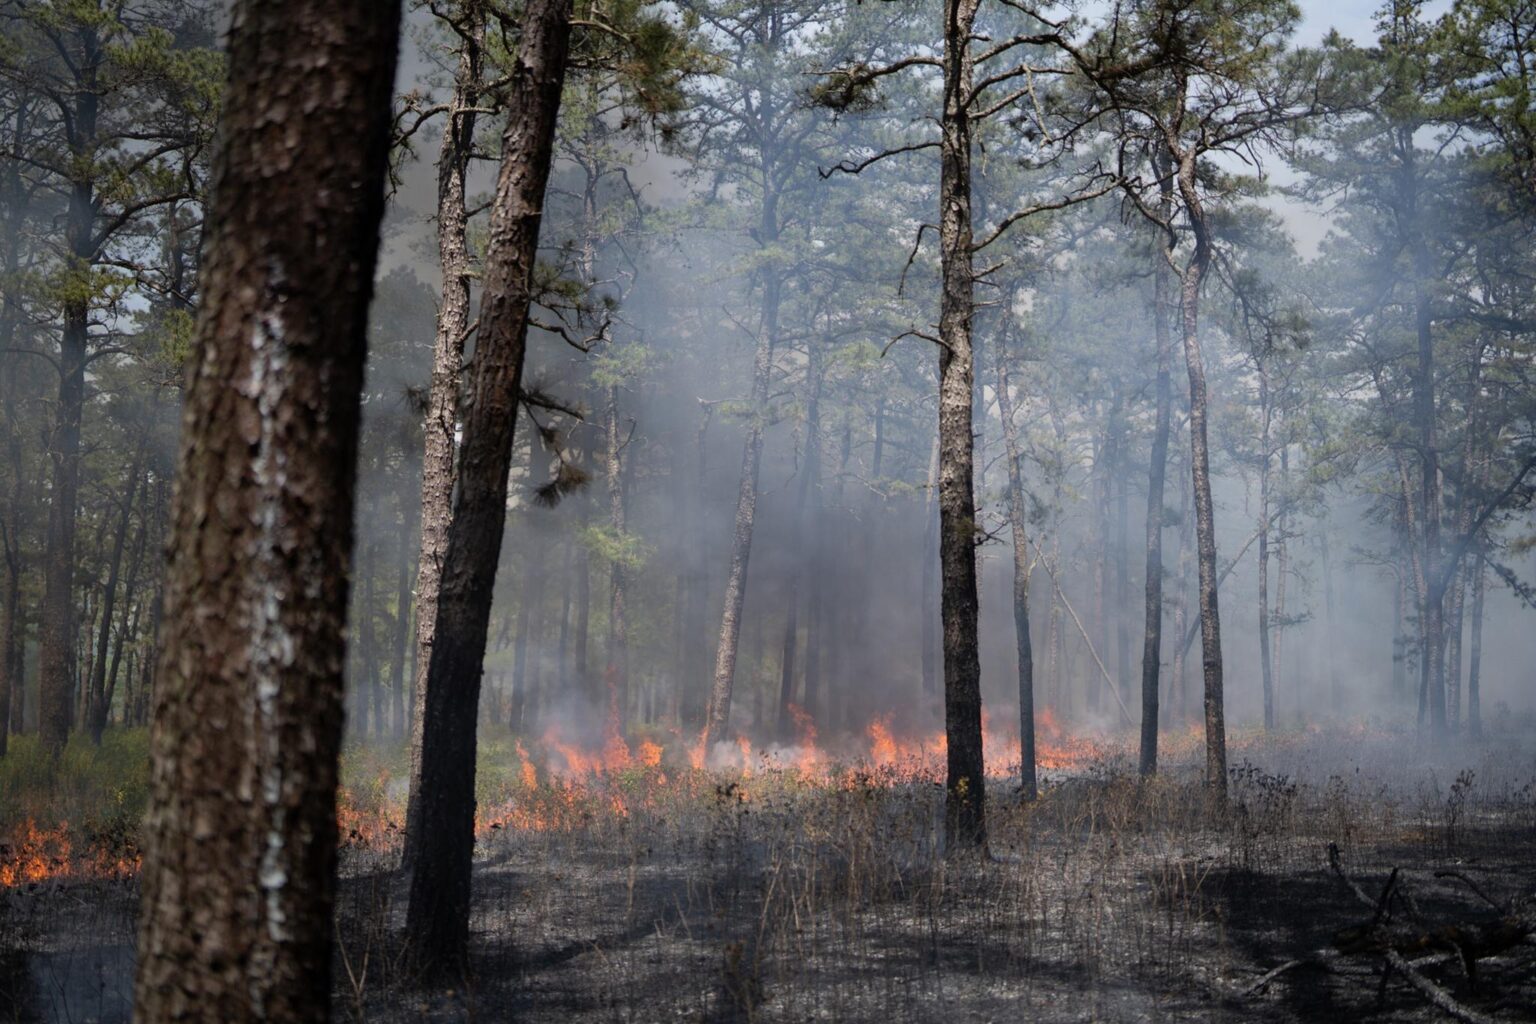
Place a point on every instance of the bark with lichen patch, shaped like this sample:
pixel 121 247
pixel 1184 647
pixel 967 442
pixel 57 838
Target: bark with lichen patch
pixel 965 785
pixel 240 839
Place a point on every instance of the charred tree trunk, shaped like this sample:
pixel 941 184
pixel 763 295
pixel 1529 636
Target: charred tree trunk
pixel 965 783
pixel 437 920
pixel 443 400
pixel 1152 636
pixel 240 852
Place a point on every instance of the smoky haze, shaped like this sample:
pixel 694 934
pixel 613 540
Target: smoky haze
pixel 677 259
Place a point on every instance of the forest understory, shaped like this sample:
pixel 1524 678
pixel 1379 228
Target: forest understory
pixel 660 892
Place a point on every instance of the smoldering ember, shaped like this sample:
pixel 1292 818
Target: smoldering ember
pixel 767 511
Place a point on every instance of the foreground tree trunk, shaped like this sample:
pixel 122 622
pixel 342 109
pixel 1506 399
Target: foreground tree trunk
pixel 437 921
pixel 965 784
pixel 240 839
pixel 442 420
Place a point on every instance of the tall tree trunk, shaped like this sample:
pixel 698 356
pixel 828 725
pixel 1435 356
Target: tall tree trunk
pixel 1123 568
pixel 965 782
pixel 101 701
pixel 11 682
pixel 1432 667
pixel 1475 658
pixel 1282 570
pixel 1018 517
pixel 240 852
pixel 928 601
pixel 1330 656
pixel 1157 470
pixel 1102 459
pixel 583 627
pixel 719 714
pixel 523 638
pixel 437 921
pixel 1266 660
pixel 810 464
pixel 372 692
pixel 1454 625
pixel 56 616
pixel 1181 606
pixel 1472 470
pixel 402 622
pixel 696 682
pixel 443 401
pixel 618 573
pixel 1200 472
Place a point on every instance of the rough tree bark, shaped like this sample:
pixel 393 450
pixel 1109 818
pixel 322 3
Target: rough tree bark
pixel 437 921
pixel 442 419
pixel 965 782
pixel 240 839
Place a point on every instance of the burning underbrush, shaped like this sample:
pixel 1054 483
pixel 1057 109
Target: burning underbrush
pixel 641 878
pixel 563 781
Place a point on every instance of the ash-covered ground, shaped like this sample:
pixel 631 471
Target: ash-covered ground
pixel 778 897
